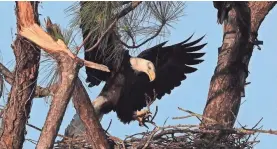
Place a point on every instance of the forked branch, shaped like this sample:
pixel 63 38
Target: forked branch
pixel 69 65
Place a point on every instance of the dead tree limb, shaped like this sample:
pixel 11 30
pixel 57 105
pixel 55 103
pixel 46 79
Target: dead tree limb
pixel 227 83
pixel 68 66
pixel 39 92
pixel 94 132
pixel 25 79
pixel 9 77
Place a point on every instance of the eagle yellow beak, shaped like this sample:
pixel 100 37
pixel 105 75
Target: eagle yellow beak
pixel 151 75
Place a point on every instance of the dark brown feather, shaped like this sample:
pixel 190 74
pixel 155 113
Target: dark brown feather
pixel 171 63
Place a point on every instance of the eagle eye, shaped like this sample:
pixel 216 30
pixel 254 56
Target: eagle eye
pixel 149 66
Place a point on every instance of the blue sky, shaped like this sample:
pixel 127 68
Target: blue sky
pixel 200 18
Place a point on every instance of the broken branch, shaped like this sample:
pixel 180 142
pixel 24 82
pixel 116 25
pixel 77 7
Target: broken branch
pixel 27 56
pixel 37 35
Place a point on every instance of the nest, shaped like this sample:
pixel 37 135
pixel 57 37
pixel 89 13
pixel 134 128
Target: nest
pixel 174 137
pixel 178 137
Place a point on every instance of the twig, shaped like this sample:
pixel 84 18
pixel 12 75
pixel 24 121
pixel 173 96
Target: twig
pixel 199 116
pixel 39 129
pixel 189 138
pixel 116 139
pixel 9 77
pixel 150 137
pixel 6 73
pixel 165 121
pixel 182 117
pixel 155 114
pixel 84 41
pixel 145 41
pixel 128 9
pixel 131 136
pixel 124 12
pixel 102 36
pixel 32 141
pixel 106 131
pixel 257 123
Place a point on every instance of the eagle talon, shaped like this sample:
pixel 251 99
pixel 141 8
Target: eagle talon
pixel 143 116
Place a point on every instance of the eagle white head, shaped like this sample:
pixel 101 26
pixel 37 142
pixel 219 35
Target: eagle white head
pixel 143 65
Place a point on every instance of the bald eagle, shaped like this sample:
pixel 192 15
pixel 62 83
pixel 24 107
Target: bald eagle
pixel 153 73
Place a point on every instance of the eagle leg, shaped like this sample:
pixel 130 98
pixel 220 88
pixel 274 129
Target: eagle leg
pixel 142 117
pixel 145 116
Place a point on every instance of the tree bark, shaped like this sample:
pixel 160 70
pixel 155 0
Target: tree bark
pixel 68 71
pixel 19 103
pixel 94 132
pixel 68 66
pixel 228 81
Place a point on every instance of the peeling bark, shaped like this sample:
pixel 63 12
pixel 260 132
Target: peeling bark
pixel 19 103
pixel 228 81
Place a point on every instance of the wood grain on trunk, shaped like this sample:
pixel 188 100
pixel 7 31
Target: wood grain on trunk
pixel 94 132
pixel 19 104
pixel 68 71
pixel 228 81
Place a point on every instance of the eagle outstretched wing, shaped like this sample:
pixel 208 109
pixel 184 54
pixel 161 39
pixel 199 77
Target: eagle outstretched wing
pixel 172 64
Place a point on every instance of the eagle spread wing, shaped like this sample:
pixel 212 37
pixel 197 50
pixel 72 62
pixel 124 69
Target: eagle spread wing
pixel 172 64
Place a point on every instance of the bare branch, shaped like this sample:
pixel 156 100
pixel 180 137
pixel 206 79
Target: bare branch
pixel 148 39
pixel 180 136
pixel 106 131
pixel 39 129
pixel 128 9
pixel 83 43
pixel 102 36
pixel 9 77
pixel 125 11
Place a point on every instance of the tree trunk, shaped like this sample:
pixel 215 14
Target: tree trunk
pixel 68 71
pixel 94 132
pixel 22 92
pixel 228 81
